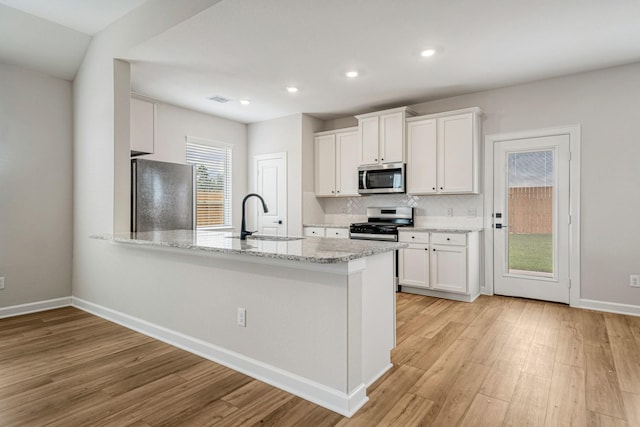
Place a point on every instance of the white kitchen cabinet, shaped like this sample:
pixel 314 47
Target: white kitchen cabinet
pixel 332 232
pixel 449 268
pixel 336 163
pixel 444 265
pixel 382 136
pixel 444 153
pixel 142 126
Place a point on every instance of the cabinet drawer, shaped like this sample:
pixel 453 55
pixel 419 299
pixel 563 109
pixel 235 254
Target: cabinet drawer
pixel 314 231
pixel 459 239
pixel 413 237
pixel 338 233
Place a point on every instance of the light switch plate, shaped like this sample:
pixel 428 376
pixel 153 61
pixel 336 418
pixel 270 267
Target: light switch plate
pixel 242 317
pixel 634 281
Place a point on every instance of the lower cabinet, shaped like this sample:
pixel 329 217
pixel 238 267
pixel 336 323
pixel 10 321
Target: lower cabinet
pixel 444 265
pixel 334 232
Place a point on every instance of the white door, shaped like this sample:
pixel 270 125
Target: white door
pixel 531 218
pixel 271 175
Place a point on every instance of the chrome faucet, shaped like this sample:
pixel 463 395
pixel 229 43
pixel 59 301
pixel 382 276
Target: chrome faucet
pixel 243 230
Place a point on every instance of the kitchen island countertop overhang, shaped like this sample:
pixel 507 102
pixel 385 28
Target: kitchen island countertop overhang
pixel 320 311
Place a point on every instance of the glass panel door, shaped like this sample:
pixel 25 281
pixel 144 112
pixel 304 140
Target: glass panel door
pixel 530 212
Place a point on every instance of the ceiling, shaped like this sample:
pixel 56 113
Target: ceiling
pixel 254 49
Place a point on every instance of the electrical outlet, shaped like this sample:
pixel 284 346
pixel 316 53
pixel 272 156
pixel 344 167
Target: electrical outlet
pixel 449 211
pixel 634 280
pixel 1 283
pixel 472 212
pixel 242 317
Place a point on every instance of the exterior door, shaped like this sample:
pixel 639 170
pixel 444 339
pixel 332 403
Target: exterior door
pixel 531 218
pixel 271 174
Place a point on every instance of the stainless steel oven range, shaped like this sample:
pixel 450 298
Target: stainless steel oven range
pixel 383 224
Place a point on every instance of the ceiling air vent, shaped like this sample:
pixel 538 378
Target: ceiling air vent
pixel 218 98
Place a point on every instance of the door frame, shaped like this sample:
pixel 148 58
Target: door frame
pixel 256 159
pixel 573 131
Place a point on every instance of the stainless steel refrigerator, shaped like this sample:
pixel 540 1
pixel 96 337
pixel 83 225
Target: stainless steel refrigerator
pixel 162 196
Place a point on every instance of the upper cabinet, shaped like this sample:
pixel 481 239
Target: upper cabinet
pixel 142 126
pixel 443 153
pixel 336 163
pixel 382 136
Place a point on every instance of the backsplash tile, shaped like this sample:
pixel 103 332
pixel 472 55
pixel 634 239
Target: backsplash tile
pixel 428 210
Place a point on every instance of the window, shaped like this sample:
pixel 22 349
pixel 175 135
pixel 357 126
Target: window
pixel 212 162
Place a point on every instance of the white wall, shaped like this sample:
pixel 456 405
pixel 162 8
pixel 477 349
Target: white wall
pixel 174 124
pixel 35 186
pixel 274 136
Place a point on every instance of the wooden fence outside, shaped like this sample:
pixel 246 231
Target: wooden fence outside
pixel 209 208
pixel 531 210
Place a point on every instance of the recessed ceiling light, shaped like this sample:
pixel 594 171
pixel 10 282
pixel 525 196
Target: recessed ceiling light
pixel 245 102
pixel 428 52
pixel 292 89
pixel 351 74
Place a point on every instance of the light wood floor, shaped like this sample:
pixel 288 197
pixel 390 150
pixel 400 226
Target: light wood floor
pixel 497 361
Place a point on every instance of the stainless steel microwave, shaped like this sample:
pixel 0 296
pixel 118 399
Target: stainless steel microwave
pixel 381 179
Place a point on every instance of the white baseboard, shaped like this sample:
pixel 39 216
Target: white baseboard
pixel 342 403
pixel 33 307
pixel 610 307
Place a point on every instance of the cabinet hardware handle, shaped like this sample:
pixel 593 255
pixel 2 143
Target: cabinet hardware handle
pixel 382 160
pixel 448 238
pixel 434 250
pixel 433 188
pixel 413 237
pixel 441 188
pixel 332 191
pixel 338 191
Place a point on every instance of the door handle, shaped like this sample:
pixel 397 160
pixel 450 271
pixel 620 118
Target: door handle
pixel 278 221
pixel 501 226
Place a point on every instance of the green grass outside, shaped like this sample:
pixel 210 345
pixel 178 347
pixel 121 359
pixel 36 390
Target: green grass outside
pixel 531 252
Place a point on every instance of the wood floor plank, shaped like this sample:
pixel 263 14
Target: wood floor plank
pixel 603 394
pixel 595 419
pixel 385 397
pixel 567 405
pixel 501 381
pixel 529 404
pixel 485 411
pixel 409 411
pixel 540 360
pixel 570 339
pixel 625 351
pixel 460 397
pixel 632 408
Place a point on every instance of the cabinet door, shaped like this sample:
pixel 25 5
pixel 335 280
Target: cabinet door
pixel 413 266
pixel 142 116
pixel 422 140
pixel 449 268
pixel 369 133
pixel 325 164
pixel 455 154
pixel 392 138
pixel 347 164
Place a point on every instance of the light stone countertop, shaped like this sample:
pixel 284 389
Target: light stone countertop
pixel 306 249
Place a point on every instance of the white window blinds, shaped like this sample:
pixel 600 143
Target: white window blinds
pixel 212 162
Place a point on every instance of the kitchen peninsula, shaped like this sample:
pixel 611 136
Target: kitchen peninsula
pixel 313 316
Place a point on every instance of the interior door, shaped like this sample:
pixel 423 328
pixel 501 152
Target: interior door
pixel 531 218
pixel 271 175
